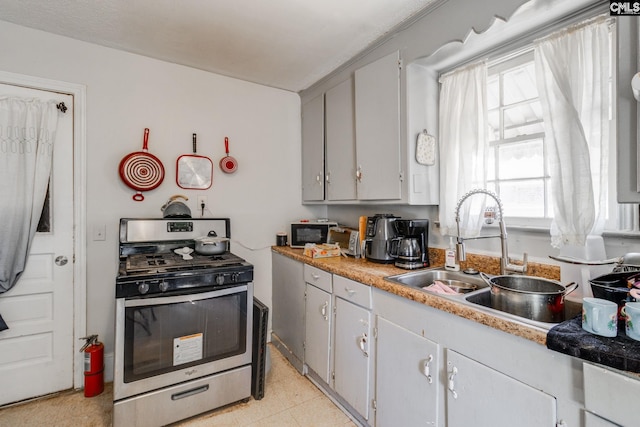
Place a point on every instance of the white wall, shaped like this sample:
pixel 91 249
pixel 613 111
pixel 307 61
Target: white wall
pixel 125 94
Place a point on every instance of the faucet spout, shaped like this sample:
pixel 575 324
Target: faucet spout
pixel 505 264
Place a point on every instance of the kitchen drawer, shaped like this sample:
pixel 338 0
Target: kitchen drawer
pixel 318 278
pixel 354 292
pixel 611 395
pixel 591 420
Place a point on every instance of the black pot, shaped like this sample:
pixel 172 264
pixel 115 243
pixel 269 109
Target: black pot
pixel 613 287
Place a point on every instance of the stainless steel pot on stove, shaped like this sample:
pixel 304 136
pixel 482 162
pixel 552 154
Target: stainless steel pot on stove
pixel 533 298
pixel 211 244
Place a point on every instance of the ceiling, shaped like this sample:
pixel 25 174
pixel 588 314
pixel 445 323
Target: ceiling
pixel 287 44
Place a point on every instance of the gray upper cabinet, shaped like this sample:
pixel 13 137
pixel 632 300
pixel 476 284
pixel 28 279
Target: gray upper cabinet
pixel 313 150
pixel 359 138
pixel 627 113
pixel 340 142
pixel 377 103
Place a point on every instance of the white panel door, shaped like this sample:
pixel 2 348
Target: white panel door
pixel 340 142
pixel 317 342
pixel 378 129
pixel 407 378
pixel 480 396
pixel 36 352
pixel 351 354
pixel 313 150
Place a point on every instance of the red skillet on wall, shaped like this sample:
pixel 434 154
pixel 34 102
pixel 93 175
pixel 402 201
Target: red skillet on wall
pixel 228 164
pixel 141 170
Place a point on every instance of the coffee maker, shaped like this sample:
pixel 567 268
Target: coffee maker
pixel 412 251
pixel 381 238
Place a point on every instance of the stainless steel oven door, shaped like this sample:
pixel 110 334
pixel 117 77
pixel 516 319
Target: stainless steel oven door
pixel 165 340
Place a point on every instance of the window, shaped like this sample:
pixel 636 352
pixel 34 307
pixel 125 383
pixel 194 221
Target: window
pixel 517 161
pixel 516 168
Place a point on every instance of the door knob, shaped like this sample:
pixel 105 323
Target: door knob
pixel 61 260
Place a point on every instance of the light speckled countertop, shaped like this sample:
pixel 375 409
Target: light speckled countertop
pixel 373 274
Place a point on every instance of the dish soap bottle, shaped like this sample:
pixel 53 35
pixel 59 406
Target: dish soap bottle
pixel 450 257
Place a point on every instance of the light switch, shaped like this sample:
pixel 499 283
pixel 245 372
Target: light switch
pixel 99 232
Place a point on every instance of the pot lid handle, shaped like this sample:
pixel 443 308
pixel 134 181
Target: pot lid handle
pixel 212 233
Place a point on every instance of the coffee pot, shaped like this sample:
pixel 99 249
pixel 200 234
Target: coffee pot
pixel 411 251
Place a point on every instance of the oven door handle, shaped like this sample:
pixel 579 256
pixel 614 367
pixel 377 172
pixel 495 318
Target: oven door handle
pixel 188 393
pixel 166 299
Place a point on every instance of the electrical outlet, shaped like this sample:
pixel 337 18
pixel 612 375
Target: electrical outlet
pixel 202 200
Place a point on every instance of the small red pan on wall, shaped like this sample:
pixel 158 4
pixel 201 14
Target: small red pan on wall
pixel 141 170
pixel 193 171
pixel 228 164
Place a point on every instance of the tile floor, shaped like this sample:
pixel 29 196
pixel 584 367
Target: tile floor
pixel 290 401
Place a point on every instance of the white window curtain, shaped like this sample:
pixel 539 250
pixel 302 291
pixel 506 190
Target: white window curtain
pixel 27 133
pixel 572 70
pixel 463 134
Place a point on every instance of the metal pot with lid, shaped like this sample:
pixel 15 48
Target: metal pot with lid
pixel 211 244
pixel 533 298
pixel 174 208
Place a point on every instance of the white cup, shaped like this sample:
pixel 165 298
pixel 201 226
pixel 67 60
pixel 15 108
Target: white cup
pixel 631 314
pixel 600 317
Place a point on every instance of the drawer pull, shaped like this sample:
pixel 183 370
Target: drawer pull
pixel 452 385
pixel 189 393
pixel 350 292
pixel 425 368
pixel 314 276
pixel 362 342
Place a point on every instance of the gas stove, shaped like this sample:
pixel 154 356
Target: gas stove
pixel 148 264
pixel 183 332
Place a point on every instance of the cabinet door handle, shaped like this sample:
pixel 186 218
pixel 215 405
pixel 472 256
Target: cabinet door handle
pixel 359 174
pixel 425 368
pixel 319 178
pixel 328 178
pixel 362 342
pixel 323 310
pixel 452 385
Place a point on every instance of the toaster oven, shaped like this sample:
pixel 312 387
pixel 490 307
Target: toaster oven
pixel 347 238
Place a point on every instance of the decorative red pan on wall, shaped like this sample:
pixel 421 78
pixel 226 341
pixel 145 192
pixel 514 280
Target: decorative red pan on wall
pixel 141 170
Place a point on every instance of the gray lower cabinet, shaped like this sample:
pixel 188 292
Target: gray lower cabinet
pixel 610 395
pixel 352 360
pixel 288 308
pixel 318 322
pixel 352 353
pixel 407 380
pixel 481 396
pixel 592 420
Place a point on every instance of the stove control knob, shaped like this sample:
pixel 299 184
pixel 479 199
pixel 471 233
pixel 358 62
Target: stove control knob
pixel 220 279
pixel 164 286
pixel 143 288
pixel 235 276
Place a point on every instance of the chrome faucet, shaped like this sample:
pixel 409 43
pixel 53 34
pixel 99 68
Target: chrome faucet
pixel 505 266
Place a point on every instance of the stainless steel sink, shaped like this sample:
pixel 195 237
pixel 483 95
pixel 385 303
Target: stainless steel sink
pixel 483 301
pixel 480 298
pixel 464 283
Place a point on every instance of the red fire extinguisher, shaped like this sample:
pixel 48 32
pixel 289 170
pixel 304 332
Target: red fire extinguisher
pixel 93 366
